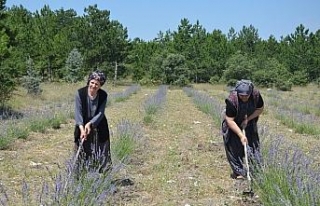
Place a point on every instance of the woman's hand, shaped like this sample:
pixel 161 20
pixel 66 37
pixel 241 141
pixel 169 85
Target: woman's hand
pixel 244 140
pixel 87 128
pixel 83 134
pixel 244 122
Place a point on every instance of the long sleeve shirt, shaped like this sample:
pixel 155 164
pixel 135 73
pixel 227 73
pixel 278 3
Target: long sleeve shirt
pixel 94 115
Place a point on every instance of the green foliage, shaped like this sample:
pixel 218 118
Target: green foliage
pixel 214 79
pixel 31 82
pixel 151 109
pixel 264 78
pixel 175 70
pixel 4 44
pixel 38 125
pixel 73 68
pixel 7 86
pixel 128 134
pixel 288 176
pixel 157 75
pixel 2 5
pixel 283 85
pixel 42 124
pixel 181 81
pixel 56 121
pixel 146 81
pixel 190 54
pixel 5 141
pixel 148 119
pixel 270 72
pixel 232 82
pixel 123 146
pixel 300 78
pixel 17 132
pixel 248 39
pixel 238 67
pixel 272 179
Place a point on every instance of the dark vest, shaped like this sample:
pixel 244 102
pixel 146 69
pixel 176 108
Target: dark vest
pixel 244 108
pixel 102 128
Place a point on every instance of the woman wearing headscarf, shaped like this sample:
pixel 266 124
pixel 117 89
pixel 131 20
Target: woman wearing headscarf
pixel 243 108
pixel 92 131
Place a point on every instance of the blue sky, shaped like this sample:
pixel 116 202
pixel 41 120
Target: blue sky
pixel 145 18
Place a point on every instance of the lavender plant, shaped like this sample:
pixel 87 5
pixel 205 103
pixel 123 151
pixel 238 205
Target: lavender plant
pixel 80 184
pixel 288 177
pixel 206 104
pixel 91 188
pixel 298 105
pixel 295 114
pixel 302 123
pixel 128 136
pixel 83 184
pixel 34 119
pixel 122 96
pixel 5 138
pixel 154 103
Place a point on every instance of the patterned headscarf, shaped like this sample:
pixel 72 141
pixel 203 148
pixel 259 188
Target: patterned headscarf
pixel 97 75
pixel 244 88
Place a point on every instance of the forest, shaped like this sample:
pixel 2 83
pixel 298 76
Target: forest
pixel 60 45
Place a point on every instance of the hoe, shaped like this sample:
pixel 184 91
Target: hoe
pixel 249 191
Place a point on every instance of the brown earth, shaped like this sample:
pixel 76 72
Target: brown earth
pixel 180 161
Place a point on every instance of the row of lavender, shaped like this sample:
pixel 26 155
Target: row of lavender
pixel 89 188
pixel 93 188
pixel 33 120
pixel 288 176
pixel 300 115
pixel 154 103
pixel 18 125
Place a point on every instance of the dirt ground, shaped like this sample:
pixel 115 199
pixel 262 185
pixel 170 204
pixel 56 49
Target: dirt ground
pixel 181 160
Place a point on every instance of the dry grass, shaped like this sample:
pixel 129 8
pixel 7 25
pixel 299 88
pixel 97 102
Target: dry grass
pixel 181 161
pixel 52 92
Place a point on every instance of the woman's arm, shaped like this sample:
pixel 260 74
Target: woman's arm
pixel 234 127
pixel 98 117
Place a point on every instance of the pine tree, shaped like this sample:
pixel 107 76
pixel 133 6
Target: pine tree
pixel 73 67
pixel 32 80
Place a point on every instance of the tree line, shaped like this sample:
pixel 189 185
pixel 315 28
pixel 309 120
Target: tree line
pixel 60 45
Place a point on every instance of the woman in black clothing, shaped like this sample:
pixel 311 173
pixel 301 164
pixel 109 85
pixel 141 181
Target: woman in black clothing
pixel 243 107
pixel 92 130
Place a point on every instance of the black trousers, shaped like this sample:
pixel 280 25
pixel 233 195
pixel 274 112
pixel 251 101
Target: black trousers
pixel 235 149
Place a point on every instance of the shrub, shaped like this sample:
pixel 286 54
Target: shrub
pixel 283 85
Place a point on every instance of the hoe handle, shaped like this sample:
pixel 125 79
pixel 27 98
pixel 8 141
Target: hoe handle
pixel 246 158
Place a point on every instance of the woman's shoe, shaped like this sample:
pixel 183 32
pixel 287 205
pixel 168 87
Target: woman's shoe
pixel 236 176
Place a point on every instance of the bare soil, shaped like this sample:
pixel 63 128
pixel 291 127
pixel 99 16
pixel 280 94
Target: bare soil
pixel 181 160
